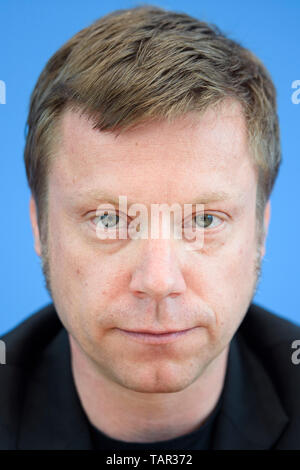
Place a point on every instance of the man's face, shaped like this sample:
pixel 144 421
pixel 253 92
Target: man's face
pixel 102 287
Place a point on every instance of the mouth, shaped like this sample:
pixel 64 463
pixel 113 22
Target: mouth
pixel 156 337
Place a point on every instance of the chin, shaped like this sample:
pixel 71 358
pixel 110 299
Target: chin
pixel 161 380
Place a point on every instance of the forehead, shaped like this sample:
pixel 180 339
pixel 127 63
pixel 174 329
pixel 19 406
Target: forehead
pixel 157 158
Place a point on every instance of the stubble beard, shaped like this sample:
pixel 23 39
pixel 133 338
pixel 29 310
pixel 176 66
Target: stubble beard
pixel 45 263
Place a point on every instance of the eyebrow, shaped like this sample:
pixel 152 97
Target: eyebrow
pixel 213 196
pixel 101 196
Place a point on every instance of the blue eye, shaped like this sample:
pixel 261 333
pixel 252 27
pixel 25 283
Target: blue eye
pixel 109 225
pixel 108 220
pixel 204 220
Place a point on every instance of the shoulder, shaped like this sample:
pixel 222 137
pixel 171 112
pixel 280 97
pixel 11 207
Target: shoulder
pixel 274 341
pixel 39 405
pixel 27 347
pixel 268 328
pixel 27 340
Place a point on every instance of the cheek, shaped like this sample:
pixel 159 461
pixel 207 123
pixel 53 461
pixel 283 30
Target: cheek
pixel 238 273
pixel 238 280
pixel 237 260
pixel 224 279
pixel 224 268
pixel 83 278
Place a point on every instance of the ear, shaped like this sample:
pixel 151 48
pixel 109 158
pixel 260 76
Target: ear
pixel 267 216
pixel 34 225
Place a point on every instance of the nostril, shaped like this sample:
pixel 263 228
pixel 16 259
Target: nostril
pixel 175 294
pixel 139 294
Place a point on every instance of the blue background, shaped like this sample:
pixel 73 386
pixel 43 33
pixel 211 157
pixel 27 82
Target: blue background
pixel 31 31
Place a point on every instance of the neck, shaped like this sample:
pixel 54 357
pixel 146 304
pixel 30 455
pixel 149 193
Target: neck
pixel 132 416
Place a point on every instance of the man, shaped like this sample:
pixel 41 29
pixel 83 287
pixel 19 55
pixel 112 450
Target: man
pixel 151 342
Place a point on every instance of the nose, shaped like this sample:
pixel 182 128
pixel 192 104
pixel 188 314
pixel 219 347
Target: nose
pixel 158 273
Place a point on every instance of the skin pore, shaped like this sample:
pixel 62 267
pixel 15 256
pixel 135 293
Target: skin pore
pixel 149 392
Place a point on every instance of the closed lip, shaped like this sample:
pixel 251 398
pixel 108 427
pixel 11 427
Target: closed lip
pixel 156 337
pixel 153 332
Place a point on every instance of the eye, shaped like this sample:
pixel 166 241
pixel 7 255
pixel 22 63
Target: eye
pixel 110 221
pixel 107 220
pixel 205 221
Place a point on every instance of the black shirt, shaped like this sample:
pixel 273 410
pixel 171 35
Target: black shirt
pixel 200 439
